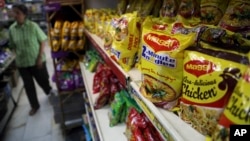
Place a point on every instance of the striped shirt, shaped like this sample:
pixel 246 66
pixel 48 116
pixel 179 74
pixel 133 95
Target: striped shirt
pixel 25 39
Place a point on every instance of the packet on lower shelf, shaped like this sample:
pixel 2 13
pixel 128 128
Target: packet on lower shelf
pixel 209 78
pixel 237 109
pixel 162 62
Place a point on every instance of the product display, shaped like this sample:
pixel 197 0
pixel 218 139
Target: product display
pixel 191 56
pixel 139 128
pixel 67 36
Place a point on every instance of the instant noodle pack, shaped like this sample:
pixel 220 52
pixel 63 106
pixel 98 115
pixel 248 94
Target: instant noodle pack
pixel 193 54
pixel 67 36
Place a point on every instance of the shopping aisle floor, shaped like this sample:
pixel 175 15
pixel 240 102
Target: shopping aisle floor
pixel 41 126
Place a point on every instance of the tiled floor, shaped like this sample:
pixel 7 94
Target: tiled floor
pixel 41 126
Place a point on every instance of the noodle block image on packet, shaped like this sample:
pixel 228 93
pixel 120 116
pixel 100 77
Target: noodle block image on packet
pixel 237 110
pixel 209 79
pixel 161 62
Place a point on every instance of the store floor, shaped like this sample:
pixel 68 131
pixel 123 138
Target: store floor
pixel 41 126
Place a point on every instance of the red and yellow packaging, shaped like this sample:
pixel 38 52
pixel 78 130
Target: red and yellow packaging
pixel 162 61
pixel 237 110
pixel 209 78
pixel 126 40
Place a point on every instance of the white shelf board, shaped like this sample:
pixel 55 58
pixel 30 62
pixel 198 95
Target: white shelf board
pixel 106 132
pixel 89 122
pixel 177 128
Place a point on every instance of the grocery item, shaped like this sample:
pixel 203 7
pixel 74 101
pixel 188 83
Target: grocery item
pixel 236 111
pixel 236 17
pixel 73 35
pixel 126 40
pixel 146 8
pixel 225 39
pixel 209 78
pixel 156 9
pixel 80 30
pixel 189 12
pixel 117 108
pixel 162 61
pixel 169 9
pixel 139 127
pixel 121 6
pixel 65 35
pixel 212 11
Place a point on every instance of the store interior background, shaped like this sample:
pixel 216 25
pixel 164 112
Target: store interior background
pixel 40 127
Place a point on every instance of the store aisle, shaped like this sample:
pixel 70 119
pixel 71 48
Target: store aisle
pixel 41 126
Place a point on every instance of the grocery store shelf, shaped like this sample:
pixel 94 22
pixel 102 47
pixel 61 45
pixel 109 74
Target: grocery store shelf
pixel 123 76
pixel 106 133
pixel 168 124
pixel 7 63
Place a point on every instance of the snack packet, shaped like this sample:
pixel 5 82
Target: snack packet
pixel 212 11
pixel 236 17
pixel 169 9
pixel 162 61
pixel 237 110
pixel 209 78
pixel 126 41
pixel 189 12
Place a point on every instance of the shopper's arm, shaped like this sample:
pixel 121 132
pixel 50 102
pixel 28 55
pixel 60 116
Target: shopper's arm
pixel 41 39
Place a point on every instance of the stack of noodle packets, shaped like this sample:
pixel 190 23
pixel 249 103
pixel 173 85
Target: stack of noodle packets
pixel 162 62
pixel 237 110
pixel 126 40
pixel 209 79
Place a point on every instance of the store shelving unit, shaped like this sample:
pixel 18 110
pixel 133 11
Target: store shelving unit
pixel 100 116
pixel 68 10
pixel 168 124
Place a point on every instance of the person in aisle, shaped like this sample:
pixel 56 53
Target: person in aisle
pixel 28 41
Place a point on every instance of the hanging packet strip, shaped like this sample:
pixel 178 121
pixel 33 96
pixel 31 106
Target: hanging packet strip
pixel 162 61
pixel 209 78
pixel 126 40
pixel 237 110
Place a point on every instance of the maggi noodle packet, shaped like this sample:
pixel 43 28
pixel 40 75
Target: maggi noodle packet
pixel 126 40
pixel 189 12
pixel 236 17
pixel 169 9
pixel 162 61
pixel 212 11
pixel 224 39
pixel 209 78
pixel 65 35
pixel 237 110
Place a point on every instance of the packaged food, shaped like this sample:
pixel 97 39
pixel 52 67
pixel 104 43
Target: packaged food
pixel 104 95
pixel 146 8
pixel 156 9
pixel 169 9
pixel 212 11
pixel 236 17
pixel 225 39
pixel 209 78
pixel 58 29
pixel 121 6
pixel 162 61
pixel 117 108
pixel 126 41
pixel 236 111
pixel 189 12
pixel 80 29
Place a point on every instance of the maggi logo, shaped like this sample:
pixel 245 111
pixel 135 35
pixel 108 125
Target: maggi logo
pixel 161 42
pixel 167 43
